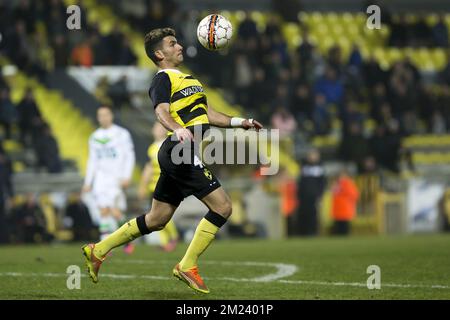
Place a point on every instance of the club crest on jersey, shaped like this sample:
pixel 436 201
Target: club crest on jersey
pixel 207 174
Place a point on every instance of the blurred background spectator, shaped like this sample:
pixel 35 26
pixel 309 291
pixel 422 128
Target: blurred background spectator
pixel 345 197
pixel 311 186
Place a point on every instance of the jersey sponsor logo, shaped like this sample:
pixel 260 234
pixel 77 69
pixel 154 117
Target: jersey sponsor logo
pixel 102 140
pixel 189 91
pixel 186 92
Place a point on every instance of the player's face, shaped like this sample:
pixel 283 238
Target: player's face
pixel 105 117
pixel 172 50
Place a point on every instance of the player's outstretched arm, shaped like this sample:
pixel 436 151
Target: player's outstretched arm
pixel 221 120
pixel 163 115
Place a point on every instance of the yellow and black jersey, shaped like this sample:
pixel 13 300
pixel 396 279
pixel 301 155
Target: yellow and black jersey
pixel 184 93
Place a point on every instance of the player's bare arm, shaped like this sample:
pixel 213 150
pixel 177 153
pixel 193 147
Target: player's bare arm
pixel 164 117
pixel 221 120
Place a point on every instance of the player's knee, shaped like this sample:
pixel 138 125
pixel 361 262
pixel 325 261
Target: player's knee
pixel 154 224
pixel 225 209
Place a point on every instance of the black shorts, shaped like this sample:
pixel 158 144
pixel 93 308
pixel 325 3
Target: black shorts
pixel 178 181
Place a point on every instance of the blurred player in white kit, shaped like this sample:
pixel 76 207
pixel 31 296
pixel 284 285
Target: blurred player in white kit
pixel 109 171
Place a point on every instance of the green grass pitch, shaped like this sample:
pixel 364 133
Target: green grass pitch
pixel 412 267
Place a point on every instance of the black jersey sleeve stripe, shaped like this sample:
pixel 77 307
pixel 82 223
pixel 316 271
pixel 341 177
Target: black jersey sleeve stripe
pixel 160 89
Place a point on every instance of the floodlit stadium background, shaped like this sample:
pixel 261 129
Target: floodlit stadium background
pixel 374 101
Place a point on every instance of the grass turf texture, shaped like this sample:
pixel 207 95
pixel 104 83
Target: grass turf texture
pixel 328 268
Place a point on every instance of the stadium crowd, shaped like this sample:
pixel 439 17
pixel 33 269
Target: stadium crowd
pixel 298 91
pixel 34 36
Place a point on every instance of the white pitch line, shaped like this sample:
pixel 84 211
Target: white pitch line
pixel 358 284
pixel 298 282
pixel 283 270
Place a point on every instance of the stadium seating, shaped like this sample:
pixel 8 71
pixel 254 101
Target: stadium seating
pixel 70 128
pixel 344 29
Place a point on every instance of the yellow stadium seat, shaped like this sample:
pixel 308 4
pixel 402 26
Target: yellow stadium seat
pixel 432 19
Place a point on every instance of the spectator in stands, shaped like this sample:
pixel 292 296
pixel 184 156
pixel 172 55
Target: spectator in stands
pixel 302 104
pixel 6 193
pixel 373 74
pixel 16 44
pixel 247 28
pixel 7 112
pixel 82 226
pixel 305 50
pixel 409 123
pixel 273 27
pixel 401 99
pixel 444 75
pixel 355 59
pixel 344 200
pixel 351 114
pixel 400 35
pixel 118 92
pixel 29 117
pixel 311 186
pixel 437 124
pixel 156 16
pixel 126 55
pixel 102 90
pixel 378 97
pixel 354 146
pixel 441 104
pixel 242 78
pixel 387 147
pixel 440 33
pixel 284 121
pixel 5 18
pixel 82 54
pixel 287 188
pixel 3 83
pixel 55 17
pixel 47 151
pixel 335 61
pixel 60 51
pixel 330 86
pixel 29 224
pixel 260 90
pixel 279 46
pixel 102 46
pixel 421 35
pixel 321 115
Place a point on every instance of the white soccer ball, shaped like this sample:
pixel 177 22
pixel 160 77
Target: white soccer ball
pixel 214 32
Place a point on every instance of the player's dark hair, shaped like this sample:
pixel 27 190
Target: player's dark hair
pixel 105 107
pixel 153 41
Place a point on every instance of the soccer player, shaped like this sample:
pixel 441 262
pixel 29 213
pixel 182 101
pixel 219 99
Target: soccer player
pixel 181 107
pixel 168 235
pixel 109 170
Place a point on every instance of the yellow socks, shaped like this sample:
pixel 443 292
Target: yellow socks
pixel 164 236
pixel 168 233
pixel 171 230
pixel 126 233
pixel 204 235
